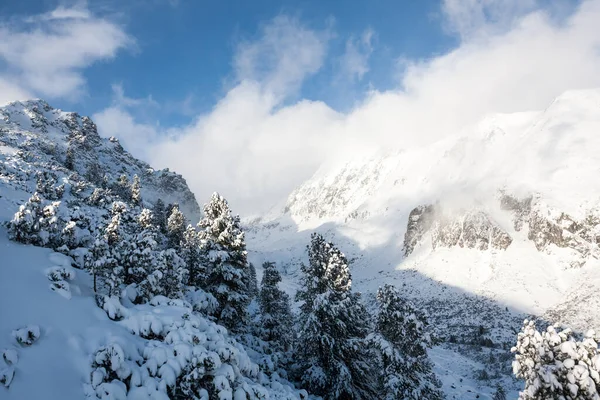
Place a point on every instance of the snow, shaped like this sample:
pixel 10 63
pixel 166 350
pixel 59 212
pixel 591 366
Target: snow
pixel 362 205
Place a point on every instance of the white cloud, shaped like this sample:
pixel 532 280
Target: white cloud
pixel 46 54
pixel 286 53
pixel 468 18
pixel 355 60
pixel 255 150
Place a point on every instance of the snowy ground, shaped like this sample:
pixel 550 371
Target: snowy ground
pixel 71 329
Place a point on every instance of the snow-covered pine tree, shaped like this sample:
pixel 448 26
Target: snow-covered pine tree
pixel 190 252
pixel 401 339
pixel 136 191
pixel 25 225
pixel 105 257
pixel 37 222
pixel 555 365
pixel 45 186
pixel 70 158
pixel 175 273
pixel 176 225
pixel 223 251
pixel 122 188
pixel 253 283
pixel 160 216
pixel 94 173
pixel 499 394
pixel 276 318
pixel 331 350
pixel 142 251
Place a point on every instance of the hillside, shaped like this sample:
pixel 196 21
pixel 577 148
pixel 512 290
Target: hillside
pixel 60 336
pixel 484 228
pixel 35 137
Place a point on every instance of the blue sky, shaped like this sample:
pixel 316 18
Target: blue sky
pixel 250 98
pixel 183 49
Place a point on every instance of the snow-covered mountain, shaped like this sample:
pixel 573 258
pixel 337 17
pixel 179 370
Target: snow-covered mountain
pixel 481 229
pixel 35 137
pixel 485 227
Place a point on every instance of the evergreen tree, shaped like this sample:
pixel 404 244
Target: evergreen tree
pixel 94 173
pixel 70 158
pixel 136 191
pixel 253 282
pixel 176 226
pixel 401 339
pixel 275 310
pixel 37 223
pixel 122 188
pixel 555 365
pixel 223 251
pixel 160 216
pixel 499 394
pixel 190 252
pixel 331 351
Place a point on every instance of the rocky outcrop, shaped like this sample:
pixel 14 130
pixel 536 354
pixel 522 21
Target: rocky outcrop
pixel 548 227
pixel 472 229
pixel 420 220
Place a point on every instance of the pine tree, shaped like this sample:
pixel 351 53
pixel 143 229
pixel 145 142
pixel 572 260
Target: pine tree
pixel 122 188
pixel 37 222
pixel 136 191
pixel 401 339
pixel 25 224
pixel 160 216
pixel 253 282
pixel 190 252
pixel 555 365
pixel 223 251
pixel 70 158
pixel 499 394
pixel 176 225
pixel 331 351
pixel 275 310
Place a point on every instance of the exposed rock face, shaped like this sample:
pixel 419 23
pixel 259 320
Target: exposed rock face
pixel 35 137
pixel 470 229
pixel 548 227
pixel 420 220
pixel 473 230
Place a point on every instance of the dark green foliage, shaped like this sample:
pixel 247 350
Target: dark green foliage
pixel 275 311
pixel 331 350
pixel 401 339
pixel 223 251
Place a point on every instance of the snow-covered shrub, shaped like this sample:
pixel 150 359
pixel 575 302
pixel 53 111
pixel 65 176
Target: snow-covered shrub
pixel 6 376
pixel 112 306
pixel 182 356
pixel 111 374
pixel 57 274
pixel 10 356
pixel 499 394
pixel 555 365
pixel 26 336
pixel 45 186
pixel 36 222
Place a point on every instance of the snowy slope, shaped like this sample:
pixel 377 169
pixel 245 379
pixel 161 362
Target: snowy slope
pixel 55 339
pixel 526 177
